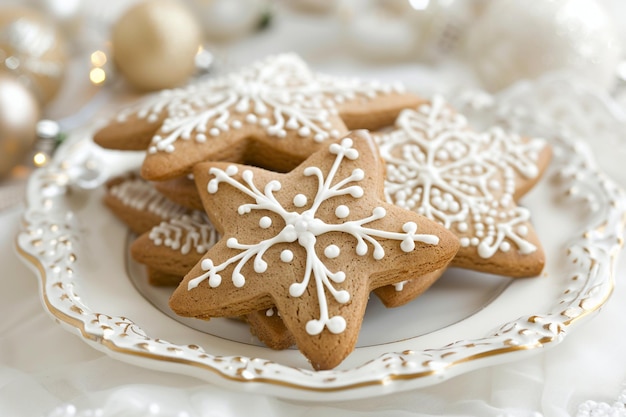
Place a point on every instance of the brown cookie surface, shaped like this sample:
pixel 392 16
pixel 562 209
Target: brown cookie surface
pixel 138 204
pixel 175 246
pixel 469 182
pixel 272 114
pixel 313 242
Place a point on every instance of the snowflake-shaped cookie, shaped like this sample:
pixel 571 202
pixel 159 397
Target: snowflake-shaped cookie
pixel 313 242
pixel 273 114
pixel 469 182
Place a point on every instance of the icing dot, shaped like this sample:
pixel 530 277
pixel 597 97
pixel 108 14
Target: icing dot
pixel 264 122
pixel 251 118
pixel 236 124
pixel 505 246
pixel 201 137
pixel 332 251
pixel 299 200
pixel 292 124
pixel 269 312
pixel 442 155
pixel 304 131
pixel 206 264
pixel 522 230
pixel 336 324
pixel 214 131
pixel 286 256
pixel 462 227
pixel 265 222
pixel 494 184
pixel 320 137
pixel 464 241
pixel 342 211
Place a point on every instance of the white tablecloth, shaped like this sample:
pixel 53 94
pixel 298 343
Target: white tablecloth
pixel 45 370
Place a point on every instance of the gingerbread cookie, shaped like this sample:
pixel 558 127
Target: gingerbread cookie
pixel 469 182
pixel 181 190
pixel 269 328
pixel 136 203
pixel 162 279
pixel 272 114
pixel 313 242
pixel 174 246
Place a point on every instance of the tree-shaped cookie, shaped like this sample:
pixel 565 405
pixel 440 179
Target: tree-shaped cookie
pixel 313 242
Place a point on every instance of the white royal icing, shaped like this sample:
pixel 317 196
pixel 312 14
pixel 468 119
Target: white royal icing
pixel 303 228
pixel 280 94
pixel 439 168
pixel 140 195
pixel 186 233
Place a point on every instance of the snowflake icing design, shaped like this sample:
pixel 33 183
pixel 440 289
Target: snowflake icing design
pixel 279 94
pixel 187 233
pixel 139 194
pixel 464 180
pixel 303 228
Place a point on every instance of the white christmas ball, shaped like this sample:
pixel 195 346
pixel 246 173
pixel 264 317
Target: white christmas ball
pixel 380 31
pixel 515 40
pixel 19 114
pixel 228 19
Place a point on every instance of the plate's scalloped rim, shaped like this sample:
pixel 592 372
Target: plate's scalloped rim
pixel 48 243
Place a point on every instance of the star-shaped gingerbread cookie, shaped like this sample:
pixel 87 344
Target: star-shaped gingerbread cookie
pixel 469 182
pixel 312 242
pixel 138 204
pixel 272 114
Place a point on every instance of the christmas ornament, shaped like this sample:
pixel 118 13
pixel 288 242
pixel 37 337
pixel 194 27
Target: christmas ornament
pixel 314 6
pixel 155 43
pixel 513 40
pixel 400 29
pixel 441 24
pixel 380 30
pixel 229 19
pixel 33 49
pixel 67 14
pixel 19 114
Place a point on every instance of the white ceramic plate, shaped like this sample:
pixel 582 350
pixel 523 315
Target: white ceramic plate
pixel 466 321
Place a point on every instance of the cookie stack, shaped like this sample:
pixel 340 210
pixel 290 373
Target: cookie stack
pixel 285 197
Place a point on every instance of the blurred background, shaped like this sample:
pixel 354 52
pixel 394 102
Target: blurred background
pixel 65 63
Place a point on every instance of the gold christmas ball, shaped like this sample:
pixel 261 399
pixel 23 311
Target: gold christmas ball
pixel 155 43
pixel 19 114
pixel 32 48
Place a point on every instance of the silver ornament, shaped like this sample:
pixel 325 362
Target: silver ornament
pixel 19 114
